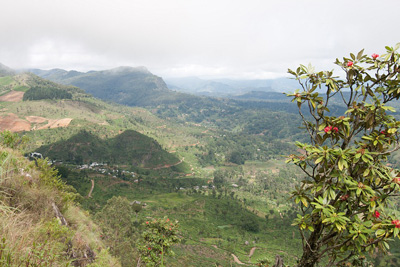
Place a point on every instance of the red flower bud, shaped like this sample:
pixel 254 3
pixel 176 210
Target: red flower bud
pixel 376 214
pixel 149 248
pixel 396 223
pixel 374 56
pixel 350 64
pixel 335 129
pixel 328 128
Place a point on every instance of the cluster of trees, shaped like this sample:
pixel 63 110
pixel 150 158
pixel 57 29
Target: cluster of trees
pixel 237 148
pixel 38 93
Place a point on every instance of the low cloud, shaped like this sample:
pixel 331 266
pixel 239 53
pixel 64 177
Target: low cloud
pixel 193 38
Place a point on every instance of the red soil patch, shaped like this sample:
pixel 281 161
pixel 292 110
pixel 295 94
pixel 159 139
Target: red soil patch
pixel 12 123
pixel 13 96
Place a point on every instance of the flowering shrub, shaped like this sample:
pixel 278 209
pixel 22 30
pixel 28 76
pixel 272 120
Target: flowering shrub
pixel 344 199
pixel 157 239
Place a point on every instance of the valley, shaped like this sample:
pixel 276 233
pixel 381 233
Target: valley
pixel 215 165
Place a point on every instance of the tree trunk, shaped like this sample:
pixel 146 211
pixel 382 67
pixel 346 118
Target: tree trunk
pixel 311 248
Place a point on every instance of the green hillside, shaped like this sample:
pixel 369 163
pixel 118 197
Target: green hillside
pixel 36 87
pixel 129 147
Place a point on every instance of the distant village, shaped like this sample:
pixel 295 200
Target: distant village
pixel 100 168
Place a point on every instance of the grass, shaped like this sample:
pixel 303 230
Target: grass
pixel 6 80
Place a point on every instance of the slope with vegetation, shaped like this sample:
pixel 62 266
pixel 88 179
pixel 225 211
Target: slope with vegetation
pixel 40 223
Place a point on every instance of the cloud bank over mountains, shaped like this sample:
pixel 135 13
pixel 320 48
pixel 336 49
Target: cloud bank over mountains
pixel 216 39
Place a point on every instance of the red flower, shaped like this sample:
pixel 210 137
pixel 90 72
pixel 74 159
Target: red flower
pixel 344 197
pixel 335 129
pixel 149 248
pixel 350 64
pixel 376 214
pixel 167 220
pixel 170 229
pixel 374 56
pixel 147 222
pixel 396 223
pixel 328 128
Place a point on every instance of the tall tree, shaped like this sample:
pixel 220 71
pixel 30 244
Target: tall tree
pixel 346 196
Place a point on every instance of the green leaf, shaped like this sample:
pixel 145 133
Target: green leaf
pixel 359 55
pixel 304 201
pixel 396 232
pixel 340 164
pixel 333 194
pixel 319 160
pixel 386 245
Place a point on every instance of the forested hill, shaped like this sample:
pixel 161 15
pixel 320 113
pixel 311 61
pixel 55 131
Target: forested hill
pixel 124 85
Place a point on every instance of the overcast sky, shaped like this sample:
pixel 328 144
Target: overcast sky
pixel 206 38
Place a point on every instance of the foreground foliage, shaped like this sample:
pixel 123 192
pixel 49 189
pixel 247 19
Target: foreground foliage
pixel 346 199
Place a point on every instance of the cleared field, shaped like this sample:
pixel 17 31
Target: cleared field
pixel 13 96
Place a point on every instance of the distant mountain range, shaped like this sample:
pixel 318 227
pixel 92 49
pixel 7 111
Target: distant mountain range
pixel 123 85
pixel 229 87
pixel 139 87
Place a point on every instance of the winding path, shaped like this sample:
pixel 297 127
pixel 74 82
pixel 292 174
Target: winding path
pixel 252 251
pixel 236 259
pixel 91 189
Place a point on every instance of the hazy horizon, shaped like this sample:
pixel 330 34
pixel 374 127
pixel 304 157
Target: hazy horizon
pixel 180 38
